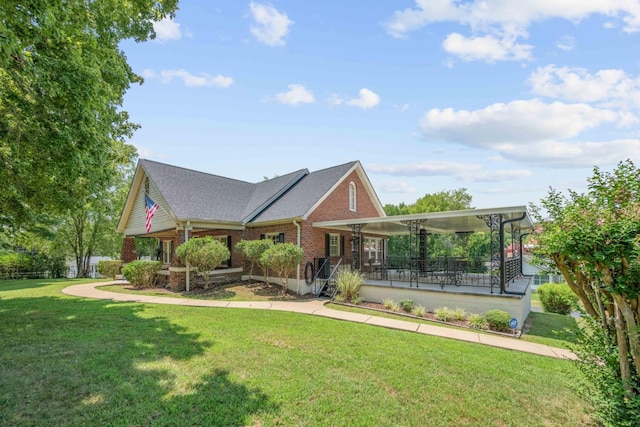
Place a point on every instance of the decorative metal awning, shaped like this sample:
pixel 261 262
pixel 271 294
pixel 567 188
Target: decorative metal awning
pixel 464 221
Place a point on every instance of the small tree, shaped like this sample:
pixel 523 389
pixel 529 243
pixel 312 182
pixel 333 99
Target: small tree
pixel 203 253
pixel 283 258
pixel 594 240
pixel 252 250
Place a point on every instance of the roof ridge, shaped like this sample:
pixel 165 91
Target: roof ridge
pixel 196 171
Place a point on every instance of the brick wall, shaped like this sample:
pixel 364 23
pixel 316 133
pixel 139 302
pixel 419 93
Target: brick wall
pixel 127 254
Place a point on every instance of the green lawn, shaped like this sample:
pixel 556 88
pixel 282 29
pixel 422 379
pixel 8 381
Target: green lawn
pixel 71 361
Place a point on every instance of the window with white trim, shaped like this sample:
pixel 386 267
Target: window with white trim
pixel 334 245
pixel 225 241
pixel 352 197
pixel 373 250
pixel 167 251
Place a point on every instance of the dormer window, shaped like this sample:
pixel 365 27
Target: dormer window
pixel 352 197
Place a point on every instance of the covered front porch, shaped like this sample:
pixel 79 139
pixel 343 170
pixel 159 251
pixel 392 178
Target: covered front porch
pixel 491 280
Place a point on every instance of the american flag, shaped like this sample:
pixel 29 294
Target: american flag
pixel 151 209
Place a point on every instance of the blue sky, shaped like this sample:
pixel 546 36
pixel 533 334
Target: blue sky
pixel 504 98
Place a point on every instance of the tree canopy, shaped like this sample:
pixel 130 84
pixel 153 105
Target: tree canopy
pixel 62 83
pixel 439 245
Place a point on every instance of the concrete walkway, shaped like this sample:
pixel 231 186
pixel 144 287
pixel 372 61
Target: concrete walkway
pixel 317 308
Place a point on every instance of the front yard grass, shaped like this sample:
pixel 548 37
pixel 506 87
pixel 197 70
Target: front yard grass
pixel 73 361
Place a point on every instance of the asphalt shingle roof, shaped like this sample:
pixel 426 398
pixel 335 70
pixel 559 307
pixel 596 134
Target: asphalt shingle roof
pixel 198 195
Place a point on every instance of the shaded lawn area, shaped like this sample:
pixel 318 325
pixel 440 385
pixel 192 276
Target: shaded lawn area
pixel 71 361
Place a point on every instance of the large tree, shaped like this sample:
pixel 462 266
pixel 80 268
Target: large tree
pixel 445 200
pixel 87 227
pixel 594 240
pixel 62 82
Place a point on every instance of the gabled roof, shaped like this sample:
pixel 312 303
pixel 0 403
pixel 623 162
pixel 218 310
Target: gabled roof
pixel 299 200
pixel 202 197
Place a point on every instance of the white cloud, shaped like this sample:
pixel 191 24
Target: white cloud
pixel 147 153
pixel 469 172
pixel 167 29
pixel 533 132
pixel 577 84
pixel 519 121
pixel 334 100
pixel 271 26
pixel 190 80
pixel 509 15
pixel 566 43
pixel 574 154
pixel 395 187
pixel 487 48
pixel 297 94
pixel 367 99
pixel 496 25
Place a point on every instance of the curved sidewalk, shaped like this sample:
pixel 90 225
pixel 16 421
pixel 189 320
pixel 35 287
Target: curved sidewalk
pixel 317 308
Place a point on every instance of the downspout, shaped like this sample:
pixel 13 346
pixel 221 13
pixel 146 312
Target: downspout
pixel 298 267
pixel 186 239
pixel 502 272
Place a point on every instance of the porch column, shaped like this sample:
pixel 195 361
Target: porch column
pixel 497 252
pixel 414 227
pixel 356 230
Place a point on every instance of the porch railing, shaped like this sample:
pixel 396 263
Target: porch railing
pixel 442 271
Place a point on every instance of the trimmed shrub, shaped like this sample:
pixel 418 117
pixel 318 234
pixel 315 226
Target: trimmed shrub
pixel 444 314
pixel 142 273
pixel 557 298
pixel 388 303
pixel 459 314
pixel 283 259
pixel 498 320
pixel 477 321
pixel 109 268
pixel 395 307
pixel 203 253
pixel 349 283
pixel 418 311
pixel 407 305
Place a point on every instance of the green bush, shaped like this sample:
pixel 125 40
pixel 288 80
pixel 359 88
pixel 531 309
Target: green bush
pixel 18 265
pixel 388 303
pixel 395 307
pixel 349 283
pixel 444 314
pixel 418 311
pixel 557 298
pixel 498 320
pixel 109 268
pixel 477 321
pixel 459 314
pixel 600 383
pixel 142 273
pixel 407 305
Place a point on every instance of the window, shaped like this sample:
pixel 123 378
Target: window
pixel 334 245
pixel 352 197
pixel 167 251
pixel 373 252
pixel 225 241
pixel 274 237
